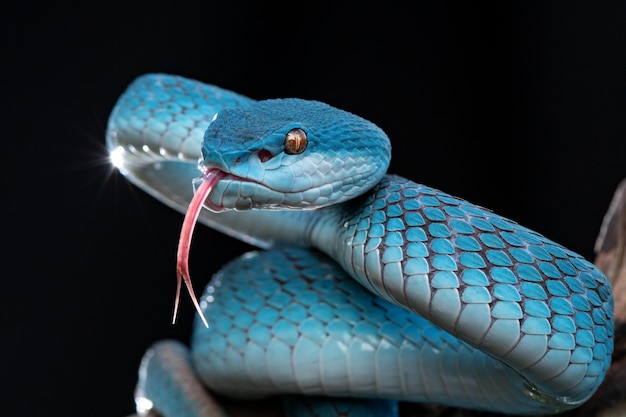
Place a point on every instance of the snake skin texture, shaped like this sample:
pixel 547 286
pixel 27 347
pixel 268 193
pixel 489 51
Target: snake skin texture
pixel 324 334
pixel 409 293
pixel 501 287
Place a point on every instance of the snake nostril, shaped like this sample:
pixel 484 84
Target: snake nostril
pixel 265 155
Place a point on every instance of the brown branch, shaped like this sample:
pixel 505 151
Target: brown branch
pixel 611 249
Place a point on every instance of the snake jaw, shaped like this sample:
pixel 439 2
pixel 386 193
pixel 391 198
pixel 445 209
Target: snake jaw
pixel 209 179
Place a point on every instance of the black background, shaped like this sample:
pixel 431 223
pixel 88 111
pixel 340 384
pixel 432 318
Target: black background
pixel 519 107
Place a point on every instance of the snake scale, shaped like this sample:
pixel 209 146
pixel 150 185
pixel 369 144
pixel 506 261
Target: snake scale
pixel 366 285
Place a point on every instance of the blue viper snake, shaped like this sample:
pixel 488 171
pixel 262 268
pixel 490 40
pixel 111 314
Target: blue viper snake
pixel 365 285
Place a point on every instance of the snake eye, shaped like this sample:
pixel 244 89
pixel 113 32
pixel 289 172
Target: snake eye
pixel 295 141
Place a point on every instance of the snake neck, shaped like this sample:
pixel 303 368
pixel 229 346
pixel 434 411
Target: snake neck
pixel 344 233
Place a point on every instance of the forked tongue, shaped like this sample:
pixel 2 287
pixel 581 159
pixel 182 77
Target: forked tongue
pixel 209 179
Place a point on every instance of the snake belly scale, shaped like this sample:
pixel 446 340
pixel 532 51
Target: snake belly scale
pixel 366 284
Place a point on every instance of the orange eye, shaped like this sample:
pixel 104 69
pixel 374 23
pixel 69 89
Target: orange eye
pixel 295 141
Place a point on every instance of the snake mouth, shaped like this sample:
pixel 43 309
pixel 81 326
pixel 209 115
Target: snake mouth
pixel 203 185
pixel 237 193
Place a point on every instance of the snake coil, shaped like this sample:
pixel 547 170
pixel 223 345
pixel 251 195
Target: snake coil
pixel 369 285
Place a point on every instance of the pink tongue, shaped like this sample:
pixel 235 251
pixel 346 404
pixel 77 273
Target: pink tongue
pixel 209 179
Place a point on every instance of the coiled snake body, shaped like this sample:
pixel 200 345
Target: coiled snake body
pixel 371 285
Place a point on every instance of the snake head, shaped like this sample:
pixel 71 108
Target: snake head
pixel 282 154
pixel 291 153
